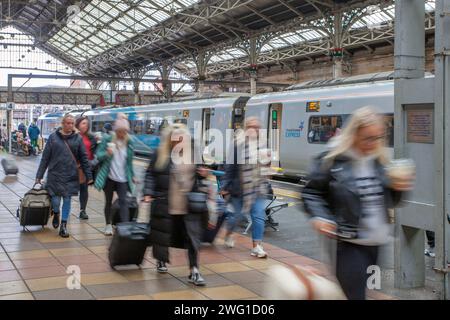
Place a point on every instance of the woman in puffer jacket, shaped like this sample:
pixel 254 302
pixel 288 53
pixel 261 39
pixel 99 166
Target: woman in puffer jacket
pixel 167 182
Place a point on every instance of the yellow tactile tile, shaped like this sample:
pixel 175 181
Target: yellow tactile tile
pixel 228 293
pixel 227 267
pixel 46 238
pixel 69 252
pixel 47 283
pixel 137 297
pixel 260 264
pixel 142 274
pixel 12 287
pixel 18 296
pixel 102 278
pixel 179 295
pixel 33 254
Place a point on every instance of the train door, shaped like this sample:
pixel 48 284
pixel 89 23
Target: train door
pixel 238 115
pixel 206 125
pixel 274 131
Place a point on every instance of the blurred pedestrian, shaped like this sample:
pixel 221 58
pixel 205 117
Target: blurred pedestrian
pixel 348 195
pixel 246 185
pixel 90 144
pixel 107 128
pixel 168 182
pixel 115 154
pixel 64 156
pixel 33 134
pixel 22 128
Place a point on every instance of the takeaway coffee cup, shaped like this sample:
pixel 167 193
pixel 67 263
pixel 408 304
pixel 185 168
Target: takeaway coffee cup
pixel 400 170
pixel 112 146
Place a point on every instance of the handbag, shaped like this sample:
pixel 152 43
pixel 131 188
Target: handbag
pixel 81 175
pixel 197 200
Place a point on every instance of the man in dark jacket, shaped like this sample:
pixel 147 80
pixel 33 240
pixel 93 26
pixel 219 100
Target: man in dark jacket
pixel 33 133
pixel 23 129
pixel 63 153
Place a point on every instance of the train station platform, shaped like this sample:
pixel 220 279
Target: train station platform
pixel 33 263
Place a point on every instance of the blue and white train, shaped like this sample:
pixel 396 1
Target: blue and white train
pixel 307 116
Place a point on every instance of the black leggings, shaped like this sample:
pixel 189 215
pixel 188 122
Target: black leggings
pixel 352 261
pixel 121 188
pixel 84 196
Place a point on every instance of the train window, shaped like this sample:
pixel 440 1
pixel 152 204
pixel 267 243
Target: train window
pixel 323 128
pixel 137 126
pixel 183 121
pixel 389 122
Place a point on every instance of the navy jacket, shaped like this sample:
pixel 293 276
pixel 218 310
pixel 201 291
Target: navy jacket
pixel 62 177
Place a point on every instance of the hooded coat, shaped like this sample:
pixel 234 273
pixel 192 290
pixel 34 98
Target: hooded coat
pixel 62 176
pixel 33 131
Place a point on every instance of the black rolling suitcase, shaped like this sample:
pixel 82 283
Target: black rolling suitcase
pixel 9 167
pixel 35 208
pixel 129 244
pixel 133 209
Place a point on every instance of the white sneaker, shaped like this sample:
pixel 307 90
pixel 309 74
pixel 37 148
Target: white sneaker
pixel 108 230
pixel 258 252
pixel 229 242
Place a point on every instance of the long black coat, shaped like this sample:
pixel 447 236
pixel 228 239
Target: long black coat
pixel 163 231
pixel 62 177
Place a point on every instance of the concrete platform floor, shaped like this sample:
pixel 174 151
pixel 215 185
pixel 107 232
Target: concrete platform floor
pixel 33 263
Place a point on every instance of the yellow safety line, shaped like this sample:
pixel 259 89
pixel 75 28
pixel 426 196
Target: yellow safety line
pixel 286 193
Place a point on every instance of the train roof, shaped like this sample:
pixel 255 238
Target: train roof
pixel 184 104
pixel 51 115
pixel 365 78
pixel 367 89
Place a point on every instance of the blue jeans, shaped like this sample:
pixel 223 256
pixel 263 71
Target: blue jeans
pixel 257 214
pixel 56 203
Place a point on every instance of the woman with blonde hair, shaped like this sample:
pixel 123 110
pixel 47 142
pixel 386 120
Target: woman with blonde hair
pixel 348 196
pixel 63 155
pixel 116 173
pixel 170 177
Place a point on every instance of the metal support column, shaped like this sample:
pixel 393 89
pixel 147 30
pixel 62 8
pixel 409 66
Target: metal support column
pixel 409 59
pixel 442 105
pixel 9 115
pixel 253 56
pixel 337 43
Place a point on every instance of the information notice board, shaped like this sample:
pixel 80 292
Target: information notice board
pixel 420 125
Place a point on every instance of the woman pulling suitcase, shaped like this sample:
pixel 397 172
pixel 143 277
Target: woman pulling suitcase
pixel 64 156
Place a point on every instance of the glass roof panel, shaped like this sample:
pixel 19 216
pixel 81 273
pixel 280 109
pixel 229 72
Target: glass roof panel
pixel 120 20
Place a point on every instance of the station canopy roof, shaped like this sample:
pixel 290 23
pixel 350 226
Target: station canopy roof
pixel 100 37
